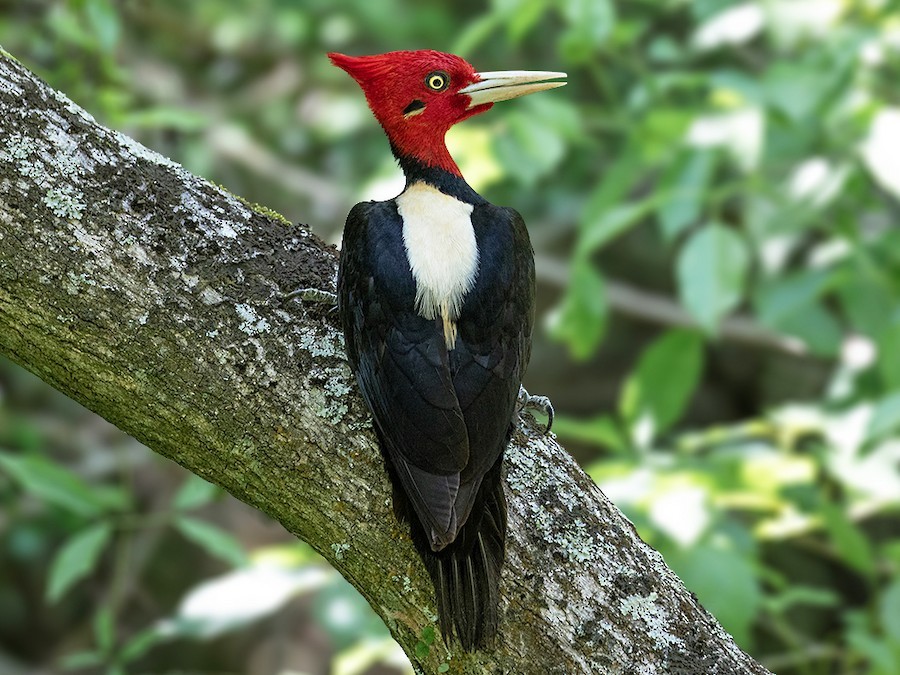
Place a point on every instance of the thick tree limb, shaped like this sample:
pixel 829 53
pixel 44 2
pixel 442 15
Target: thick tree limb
pixel 158 300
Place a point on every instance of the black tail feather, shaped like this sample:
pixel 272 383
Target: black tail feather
pixel 466 574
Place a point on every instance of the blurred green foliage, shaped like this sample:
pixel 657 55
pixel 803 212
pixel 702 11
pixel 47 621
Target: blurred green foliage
pixel 713 202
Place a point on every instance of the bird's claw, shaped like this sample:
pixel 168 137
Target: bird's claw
pixel 539 403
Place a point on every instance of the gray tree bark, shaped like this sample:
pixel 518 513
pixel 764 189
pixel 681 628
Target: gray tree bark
pixel 157 300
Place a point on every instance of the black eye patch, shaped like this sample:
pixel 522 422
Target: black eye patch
pixel 412 107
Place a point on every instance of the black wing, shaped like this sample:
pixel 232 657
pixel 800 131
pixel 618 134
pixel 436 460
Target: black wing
pixel 495 324
pixel 494 340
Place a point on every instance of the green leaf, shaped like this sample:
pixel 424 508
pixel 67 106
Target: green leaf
pixel 57 486
pixel 81 660
pixel 725 583
pixel 212 539
pixel 537 135
pixel 801 595
pixel 603 431
pixel 874 648
pixel 103 19
pixel 76 559
pixel 540 131
pixel 581 320
pixel 712 268
pixel 889 607
pixel 140 644
pixel 194 492
pixel 604 200
pixel 595 17
pixel 531 149
pixel 664 380
pixel 866 298
pixel 888 363
pixel 891 551
pixel 612 224
pixel 475 33
pixel 852 545
pixel 684 188
pixel 591 23
pixel 778 300
pixel 170 118
pixel 444 667
pixel 66 27
pixel 885 417
pixel 663 49
pixel 617 180
pixel 658 128
pixel 520 22
pixel 816 327
pixel 104 629
pixel 796 89
pixel 421 650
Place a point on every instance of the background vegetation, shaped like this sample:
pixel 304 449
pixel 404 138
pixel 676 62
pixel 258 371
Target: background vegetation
pixel 713 204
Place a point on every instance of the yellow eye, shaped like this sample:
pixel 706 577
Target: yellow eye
pixel 437 81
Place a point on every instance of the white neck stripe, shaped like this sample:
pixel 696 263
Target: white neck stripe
pixel 441 250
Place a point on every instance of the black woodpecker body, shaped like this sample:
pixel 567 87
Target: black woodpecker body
pixel 436 299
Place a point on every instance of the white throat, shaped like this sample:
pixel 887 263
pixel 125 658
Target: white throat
pixel 442 253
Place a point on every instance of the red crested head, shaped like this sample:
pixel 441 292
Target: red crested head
pixel 415 95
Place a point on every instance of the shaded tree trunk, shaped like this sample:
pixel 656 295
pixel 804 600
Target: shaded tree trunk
pixel 158 300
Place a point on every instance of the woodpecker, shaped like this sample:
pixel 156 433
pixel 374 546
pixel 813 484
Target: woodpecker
pixel 436 301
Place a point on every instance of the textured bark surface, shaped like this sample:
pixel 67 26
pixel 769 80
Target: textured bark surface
pixel 157 300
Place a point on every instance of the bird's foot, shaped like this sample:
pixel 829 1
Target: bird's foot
pixel 315 295
pixel 540 403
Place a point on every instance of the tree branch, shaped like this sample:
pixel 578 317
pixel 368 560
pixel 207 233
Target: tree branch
pixel 158 300
pixel 647 306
